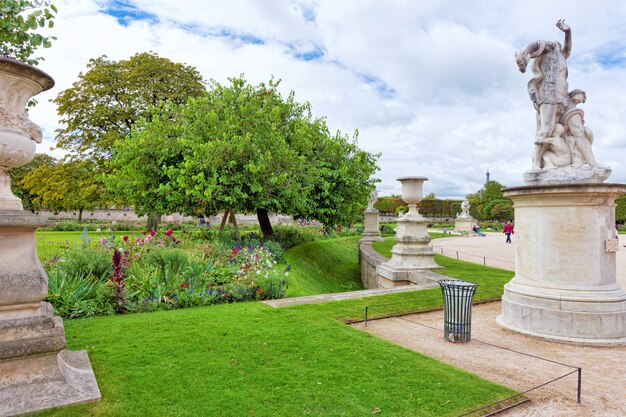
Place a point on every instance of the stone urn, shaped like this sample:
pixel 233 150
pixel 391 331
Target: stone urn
pixel 412 193
pixel 36 372
pixel 411 257
pixel 19 82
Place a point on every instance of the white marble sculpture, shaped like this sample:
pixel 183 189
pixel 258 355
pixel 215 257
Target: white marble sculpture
pixel 562 152
pixel 465 206
pixel 372 200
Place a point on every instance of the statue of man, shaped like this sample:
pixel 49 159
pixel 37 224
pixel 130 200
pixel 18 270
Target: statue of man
pixel 548 88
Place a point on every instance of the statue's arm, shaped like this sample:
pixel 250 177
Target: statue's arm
pixel 567 44
pixel 530 51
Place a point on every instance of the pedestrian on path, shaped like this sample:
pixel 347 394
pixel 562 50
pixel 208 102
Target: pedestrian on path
pixel 508 231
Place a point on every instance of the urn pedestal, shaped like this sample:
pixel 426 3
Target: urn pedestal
pixel 371 228
pixel 411 252
pixel 565 285
pixel 36 372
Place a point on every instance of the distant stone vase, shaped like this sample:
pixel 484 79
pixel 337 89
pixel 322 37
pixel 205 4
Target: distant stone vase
pixel 19 82
pixel 412 193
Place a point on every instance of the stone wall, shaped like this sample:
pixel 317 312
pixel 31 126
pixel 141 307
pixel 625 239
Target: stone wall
pixel 369 259
pixel 129 215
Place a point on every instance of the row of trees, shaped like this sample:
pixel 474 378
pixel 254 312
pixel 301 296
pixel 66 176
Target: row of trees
pixel 146 132
pixel 429 206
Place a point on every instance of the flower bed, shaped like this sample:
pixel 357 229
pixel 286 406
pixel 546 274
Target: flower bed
pixel 160 271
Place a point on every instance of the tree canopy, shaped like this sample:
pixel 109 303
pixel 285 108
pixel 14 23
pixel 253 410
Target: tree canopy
pixel 104 104
pixel 20 21
pixel 489 203
pixel 245 148
pixel 19 173
pixel 66 186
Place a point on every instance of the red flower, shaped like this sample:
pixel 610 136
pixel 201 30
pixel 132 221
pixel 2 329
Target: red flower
pixel 259 291
pixel 183 285
pixel 125 239
pixel 152 232
pixel 169 232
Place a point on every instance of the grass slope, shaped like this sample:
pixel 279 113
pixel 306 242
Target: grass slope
pixel 324 266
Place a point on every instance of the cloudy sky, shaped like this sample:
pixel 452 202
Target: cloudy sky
pixel 431 85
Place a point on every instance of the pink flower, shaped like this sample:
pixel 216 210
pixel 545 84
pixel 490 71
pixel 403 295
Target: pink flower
pixel 169 232
pixel 152 232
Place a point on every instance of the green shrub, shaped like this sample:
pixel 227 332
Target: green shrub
pixel 76 296
pixel 89 262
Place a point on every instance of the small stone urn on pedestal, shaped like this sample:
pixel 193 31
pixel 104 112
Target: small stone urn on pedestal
pixel 371 231
pixel 411 252
pixel 36 372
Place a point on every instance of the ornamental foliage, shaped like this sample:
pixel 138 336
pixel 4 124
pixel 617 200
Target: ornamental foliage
pixel 20 21
pixel 245 148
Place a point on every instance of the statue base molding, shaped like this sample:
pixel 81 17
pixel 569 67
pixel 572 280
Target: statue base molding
pixel 567 175
pixel 565 285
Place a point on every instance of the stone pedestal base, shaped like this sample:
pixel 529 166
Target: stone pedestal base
pixel 46 381
pixel 565 279
pixel 371 230
pixel 464 225
pixel 35 371
pixel 411 252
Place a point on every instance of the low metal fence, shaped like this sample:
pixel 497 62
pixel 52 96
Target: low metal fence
pixel 497 406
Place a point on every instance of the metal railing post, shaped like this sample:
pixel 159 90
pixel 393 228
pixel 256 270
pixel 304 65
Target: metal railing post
pixel 366 308
pixel 580 380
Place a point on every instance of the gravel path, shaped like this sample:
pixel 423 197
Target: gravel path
pixel 604 369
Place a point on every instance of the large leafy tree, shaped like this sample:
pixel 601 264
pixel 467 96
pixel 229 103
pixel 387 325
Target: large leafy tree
pixel 489 203
pixel 18 174
pixel 66 186
pixel 244 148
pixel 106 102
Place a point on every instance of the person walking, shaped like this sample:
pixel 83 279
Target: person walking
pixel 508 231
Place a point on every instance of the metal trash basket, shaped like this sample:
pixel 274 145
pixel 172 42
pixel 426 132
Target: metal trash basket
pixel 457 309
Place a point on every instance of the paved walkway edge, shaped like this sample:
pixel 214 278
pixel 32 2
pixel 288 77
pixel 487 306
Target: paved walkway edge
pixel 322 298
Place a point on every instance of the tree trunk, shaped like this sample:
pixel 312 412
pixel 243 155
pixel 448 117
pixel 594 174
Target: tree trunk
pixel 153 221
pixel 226 213
pixel 233 221
pixel 80 215
pixel 264 222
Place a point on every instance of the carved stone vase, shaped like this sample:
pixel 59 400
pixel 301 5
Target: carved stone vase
pixel 36 372
pixel 411 252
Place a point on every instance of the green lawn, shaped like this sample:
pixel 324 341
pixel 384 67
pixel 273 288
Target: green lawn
pixel 248 359
pixel 52 243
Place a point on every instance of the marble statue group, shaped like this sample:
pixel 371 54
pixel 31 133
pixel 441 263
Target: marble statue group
pixel 562 140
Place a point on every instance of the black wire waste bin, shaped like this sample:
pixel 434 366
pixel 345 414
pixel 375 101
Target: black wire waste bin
pixel 457 309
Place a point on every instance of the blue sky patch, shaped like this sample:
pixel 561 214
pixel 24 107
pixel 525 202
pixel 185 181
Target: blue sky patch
pixel 613 58
pixel 381 86
pixel 126 13
pixel 310 55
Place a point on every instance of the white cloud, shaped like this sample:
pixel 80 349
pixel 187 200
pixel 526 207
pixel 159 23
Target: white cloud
pixel 433 86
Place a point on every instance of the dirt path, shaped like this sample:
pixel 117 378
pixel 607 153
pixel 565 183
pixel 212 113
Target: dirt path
pixel 604 369
pixel 603 375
